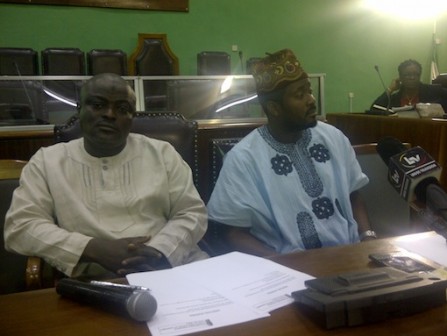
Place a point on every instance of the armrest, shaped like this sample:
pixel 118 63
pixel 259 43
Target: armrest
pixel 33 276
pixel 39 274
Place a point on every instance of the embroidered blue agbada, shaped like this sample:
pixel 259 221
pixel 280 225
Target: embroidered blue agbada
pixel 291 196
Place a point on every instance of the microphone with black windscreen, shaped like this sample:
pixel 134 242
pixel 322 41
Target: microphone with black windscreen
pixel 407 168
pixel 388 147
pixel 415 176
pixel 130 301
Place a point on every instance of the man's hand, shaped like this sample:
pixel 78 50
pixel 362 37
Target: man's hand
pixel 146 259
pixel 125 255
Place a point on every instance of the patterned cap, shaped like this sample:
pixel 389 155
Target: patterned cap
pixel 277 71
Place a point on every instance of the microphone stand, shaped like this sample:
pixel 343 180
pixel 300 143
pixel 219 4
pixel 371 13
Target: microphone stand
pixel 23 85
pixel 388 94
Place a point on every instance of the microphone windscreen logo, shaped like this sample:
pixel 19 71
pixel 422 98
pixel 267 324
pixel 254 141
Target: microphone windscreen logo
pixel 405 170
pixel 413 158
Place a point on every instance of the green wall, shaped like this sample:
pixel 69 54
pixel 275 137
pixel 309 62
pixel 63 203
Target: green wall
pixel 336 37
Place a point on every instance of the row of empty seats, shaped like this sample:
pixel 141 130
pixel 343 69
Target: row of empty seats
pixel 219 63
pixel 75 62
pixel 61 61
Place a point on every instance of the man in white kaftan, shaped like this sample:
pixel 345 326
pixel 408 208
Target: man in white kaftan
pixel 110 202
pixel 293 183
pixel 290 196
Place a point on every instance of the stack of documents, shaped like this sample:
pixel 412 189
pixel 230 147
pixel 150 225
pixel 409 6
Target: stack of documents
pixel 224 290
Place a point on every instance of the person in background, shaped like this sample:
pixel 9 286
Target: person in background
pixel 408 90
pixel 291 184
pixel 110 203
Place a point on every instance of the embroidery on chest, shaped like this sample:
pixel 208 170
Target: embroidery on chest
pixel 298 156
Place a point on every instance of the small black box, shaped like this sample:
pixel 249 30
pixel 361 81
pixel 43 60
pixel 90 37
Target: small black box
pixel 369 296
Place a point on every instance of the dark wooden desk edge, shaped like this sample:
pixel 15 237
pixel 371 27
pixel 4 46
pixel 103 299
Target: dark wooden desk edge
pixel 357 114
pixel 26 134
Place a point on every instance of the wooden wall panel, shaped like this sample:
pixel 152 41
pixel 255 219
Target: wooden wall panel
pixel 22 145
pixel 159 5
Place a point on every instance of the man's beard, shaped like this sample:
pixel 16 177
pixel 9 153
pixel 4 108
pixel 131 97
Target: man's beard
pixel 298 127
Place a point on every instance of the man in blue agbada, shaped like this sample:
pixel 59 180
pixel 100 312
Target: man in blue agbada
pixel 291 184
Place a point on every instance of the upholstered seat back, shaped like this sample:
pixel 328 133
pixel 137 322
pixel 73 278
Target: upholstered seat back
pixel 211 63
pixel 219 148
pixel 63 61
pixel 107 60
pixel 170 127
pixel 19 62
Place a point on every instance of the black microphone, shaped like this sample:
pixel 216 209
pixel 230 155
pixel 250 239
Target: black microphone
pixel 130 301
pixel 388 94
pixel 415 175
pixel 409 170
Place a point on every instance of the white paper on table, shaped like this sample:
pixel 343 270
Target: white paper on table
pixel 256 282
pixel 185 306
pixel 433 247
pixel 219 291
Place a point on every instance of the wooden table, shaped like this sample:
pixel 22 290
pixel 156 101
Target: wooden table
pixel 43 312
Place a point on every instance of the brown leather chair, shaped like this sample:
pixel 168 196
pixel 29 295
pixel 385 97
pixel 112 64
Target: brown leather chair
pixel 168 126
pixel 18 62
pixel 215 235
pixel 107 60
pixel 154 57
pixel 19 100
pixel 63 61
pixel 211 63
pixel 219 148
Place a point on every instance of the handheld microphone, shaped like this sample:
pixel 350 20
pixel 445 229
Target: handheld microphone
pixel 384 87
pixel 129 301
pixel 408 169
pixel 415 175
